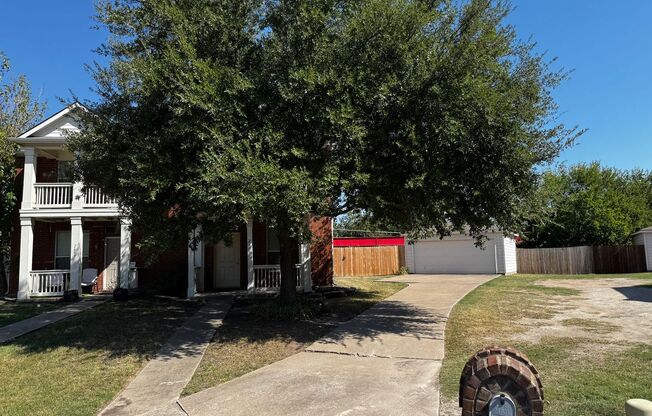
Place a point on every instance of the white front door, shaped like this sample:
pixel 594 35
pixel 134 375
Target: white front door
pixel 111 262
pixel 227 264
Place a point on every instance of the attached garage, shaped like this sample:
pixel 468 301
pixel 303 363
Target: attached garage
pixel 458 254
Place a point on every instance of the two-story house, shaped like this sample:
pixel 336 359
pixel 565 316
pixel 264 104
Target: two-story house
pixel 67 236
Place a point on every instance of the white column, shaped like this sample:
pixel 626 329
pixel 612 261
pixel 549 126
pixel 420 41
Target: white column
pixel 125 253
pixel 306 267
pixel 199 264
pixel 76 253
pixel 192 283
pixel 77 195
pixel 26 250
pixel 29 177
pixel 250 255
pixel 195 259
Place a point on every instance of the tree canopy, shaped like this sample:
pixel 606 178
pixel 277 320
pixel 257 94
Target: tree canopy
pixel 589 204
pixel 430 114
pixel 18 110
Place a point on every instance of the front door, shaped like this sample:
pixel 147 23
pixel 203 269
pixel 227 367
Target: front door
pixel 111 262
pixel 227 264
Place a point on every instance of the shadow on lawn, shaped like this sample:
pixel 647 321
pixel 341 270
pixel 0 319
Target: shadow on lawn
pixel 115 329
pixel 142 326
pixel 637 293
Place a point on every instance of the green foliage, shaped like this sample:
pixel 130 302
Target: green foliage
pixel 429 114
pixel 403 270
pixel 275 309
pixel 18 110
pixel 588 204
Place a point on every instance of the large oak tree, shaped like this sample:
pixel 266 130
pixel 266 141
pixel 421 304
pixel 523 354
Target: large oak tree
pixel 430 114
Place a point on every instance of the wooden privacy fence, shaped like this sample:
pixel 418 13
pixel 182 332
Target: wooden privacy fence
pixel 368 261
pixel 581 260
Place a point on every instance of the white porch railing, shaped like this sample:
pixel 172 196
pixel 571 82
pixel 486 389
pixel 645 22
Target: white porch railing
pixel 94 197
pixel 53 195
pixel 48 282
pixel 268 276
pixel 60 195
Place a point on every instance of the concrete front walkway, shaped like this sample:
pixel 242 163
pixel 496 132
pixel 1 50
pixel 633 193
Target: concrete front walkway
pixel 157 387
pixel 20 328
pixel 385 361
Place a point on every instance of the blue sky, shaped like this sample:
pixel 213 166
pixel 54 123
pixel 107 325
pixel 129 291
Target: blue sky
pixel 608 44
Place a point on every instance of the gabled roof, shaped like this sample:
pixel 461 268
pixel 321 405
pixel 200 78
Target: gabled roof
pixel 644 230
pixel 52 120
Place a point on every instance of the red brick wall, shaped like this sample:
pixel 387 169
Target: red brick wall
pixel 167 274
pixel 45 240
pixel 97 233
pixel 321 251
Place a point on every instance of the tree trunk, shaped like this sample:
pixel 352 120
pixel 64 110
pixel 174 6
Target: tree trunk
pixel 287 244
pixel 4 284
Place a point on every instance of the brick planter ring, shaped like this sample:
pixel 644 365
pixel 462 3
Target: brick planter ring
pixel 498 370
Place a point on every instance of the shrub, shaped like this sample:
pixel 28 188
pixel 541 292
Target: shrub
pixel 303 308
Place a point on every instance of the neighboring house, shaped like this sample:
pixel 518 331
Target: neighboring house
pixel 65 236
pixel 644 238
pixel 457 254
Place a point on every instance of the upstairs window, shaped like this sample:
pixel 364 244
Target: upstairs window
pixel 64 172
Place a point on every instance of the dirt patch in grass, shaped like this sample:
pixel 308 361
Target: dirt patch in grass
pixel 245 343
pixel 613 309
pixel 11 311
pixel 589 336
pixel 76 366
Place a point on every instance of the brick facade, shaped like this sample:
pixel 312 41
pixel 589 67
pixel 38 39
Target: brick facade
pixel 321 251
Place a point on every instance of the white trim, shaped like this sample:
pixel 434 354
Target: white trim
pixel 125 253
pixel 29 177
pixel 26 252
pixel 251 284
pixel 76 252
pixel 66 213
pixel 50 120
pixel 192 266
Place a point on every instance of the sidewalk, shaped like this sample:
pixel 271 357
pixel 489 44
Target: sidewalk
pixel 17 329
pixel 157 387
pixel 384 361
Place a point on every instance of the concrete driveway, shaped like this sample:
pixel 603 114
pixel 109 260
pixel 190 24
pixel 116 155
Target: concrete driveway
pixel 385 361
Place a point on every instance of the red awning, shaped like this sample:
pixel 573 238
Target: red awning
pixel 368 241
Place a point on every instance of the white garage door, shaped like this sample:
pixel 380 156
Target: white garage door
pixel 442 256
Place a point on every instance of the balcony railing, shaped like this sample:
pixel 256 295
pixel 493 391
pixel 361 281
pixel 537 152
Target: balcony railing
pixel 94 197
pixel 48 282
pixel 61 195
pixel 268 276
pixel 53 195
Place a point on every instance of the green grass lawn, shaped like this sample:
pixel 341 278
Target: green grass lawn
pixel 11 312
pixel 245 343
pixel 76 366
pixel 582 375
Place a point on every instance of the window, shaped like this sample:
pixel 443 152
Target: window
pixel 64 172
pixel 62 250
pixel 273 248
